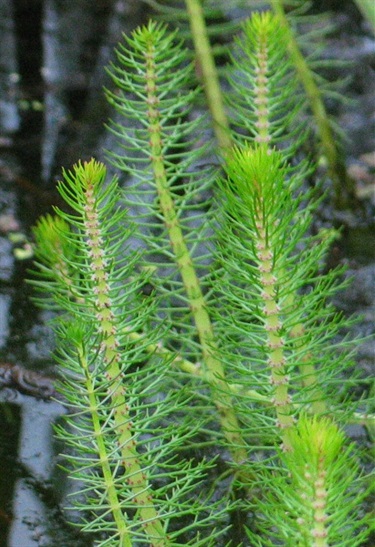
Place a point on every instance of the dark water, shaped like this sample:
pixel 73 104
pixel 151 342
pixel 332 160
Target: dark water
pixel 52 113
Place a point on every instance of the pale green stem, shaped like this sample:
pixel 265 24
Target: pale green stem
pixel 205 66
pixel 309 375
pixel 111 490
pixel 263 136
pixel 319 532
pixel 262 111
pixel 343 185
pixel 273 325
pixel 318 445
pixel 214 371
pixel 315 479
pixel 134 475
pixel 272 322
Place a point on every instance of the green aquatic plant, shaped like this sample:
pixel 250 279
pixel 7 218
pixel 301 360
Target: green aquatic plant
pixel 211 30
pixel 201 358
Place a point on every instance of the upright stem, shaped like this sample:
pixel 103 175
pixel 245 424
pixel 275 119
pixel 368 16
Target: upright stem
pixel 214 370
pixel 263 135
pixel 134 474
pixel 124 532
pixel 342 183
pixel 206 66
pixel 273 326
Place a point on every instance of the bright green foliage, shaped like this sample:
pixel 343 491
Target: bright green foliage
pixel 279 337
pixel 122 426
pixel 237 350
pixel 166 196
pixel 270 111
pixel 304 35
pixel 173 199
pixel 312 504
pixel 268 262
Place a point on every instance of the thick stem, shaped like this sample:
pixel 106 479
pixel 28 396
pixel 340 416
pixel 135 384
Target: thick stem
pixel 134 475
pixel 273 326
pixel 214 370
pixel 342 184
pixel 319 504
pixel 124 533
pixel 263 136
pixel 206 67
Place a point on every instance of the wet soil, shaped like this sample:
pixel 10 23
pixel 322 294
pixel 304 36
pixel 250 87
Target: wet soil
pixel 52 112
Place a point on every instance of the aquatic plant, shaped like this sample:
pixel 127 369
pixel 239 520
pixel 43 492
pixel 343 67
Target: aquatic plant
pixel 200 356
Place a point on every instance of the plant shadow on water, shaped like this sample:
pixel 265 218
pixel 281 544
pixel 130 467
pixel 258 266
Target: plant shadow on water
pixel 52 113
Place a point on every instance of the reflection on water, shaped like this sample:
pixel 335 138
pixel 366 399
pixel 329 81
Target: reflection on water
pixel 33 446
pixel 51 114
pixel 31 486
